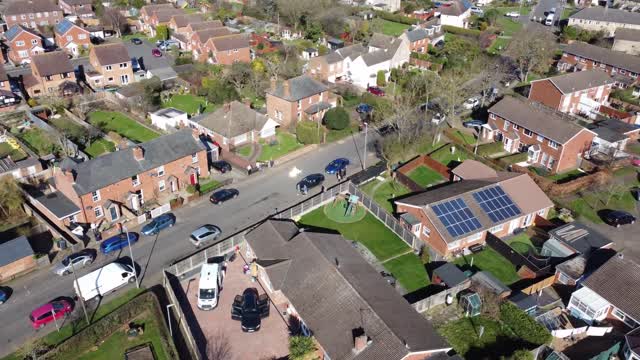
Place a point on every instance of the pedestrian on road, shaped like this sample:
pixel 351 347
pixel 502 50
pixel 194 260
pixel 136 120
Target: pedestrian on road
pixel 304 190
pixel 322 188
pixel 338 175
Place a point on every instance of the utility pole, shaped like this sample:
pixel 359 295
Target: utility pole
pixel 364 153
pixel 133 266
pixel 75 278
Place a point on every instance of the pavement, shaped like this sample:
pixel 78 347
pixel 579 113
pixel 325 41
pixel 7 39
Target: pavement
pixel 260 195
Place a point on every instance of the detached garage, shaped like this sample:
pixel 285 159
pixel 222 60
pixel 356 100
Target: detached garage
pixel 16 257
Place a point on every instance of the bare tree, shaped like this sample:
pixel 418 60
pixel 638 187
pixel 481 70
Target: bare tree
pixel 219 347
pixel 294 9
pixel 449 88
pixel 114 18
pixel 531 50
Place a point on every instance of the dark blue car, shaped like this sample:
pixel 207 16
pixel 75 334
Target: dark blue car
pixel 117 242
pixel 4 296
pixel 364 108
pixel 337 165
pixel 156 225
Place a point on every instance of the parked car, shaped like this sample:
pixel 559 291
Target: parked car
pixel 48 312
pixel 476 10
pixel 74 261
pixel 512 14
pixel 118 242
pixel 221 166
pixel 375 91
pixel 135 64
pixel 310 181
pixel 104 280
pixel 4 295
pixel 156 225
pixel 168 44
pixel 250 309
pixel 471 124
pixel 618 218
pixel 552 11
pixel 387 129
pixel 156 52
pixel 471 103
pixel 223 195
pixel 136 41
pixel 337 165
pixel 364 108
pixel 205 233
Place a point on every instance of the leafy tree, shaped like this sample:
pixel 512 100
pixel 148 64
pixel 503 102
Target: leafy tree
pixel 308 132
pixel 114 18
pixel 313 31
pixel 162 32
pixel 152 89
pixel 11 199
pixel 293 10
pixel 522 354
pixel 491 16
pixel 337 118
pixel 219 91
pixel 409 8
pixel 380 78
pixel 138 4
pixel 300 346
pixel 531 50
pixel 524 326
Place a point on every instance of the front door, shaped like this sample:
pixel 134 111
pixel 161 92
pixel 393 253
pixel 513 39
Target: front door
pixel 508 143
pixel 193 179
pixel 174 186
pixel 124 79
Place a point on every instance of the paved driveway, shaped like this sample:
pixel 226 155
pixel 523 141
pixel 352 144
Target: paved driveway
pixel 144 51
pixel 626 238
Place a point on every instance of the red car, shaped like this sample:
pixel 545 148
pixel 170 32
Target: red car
pixel 156 52
pixel 375 90
pixel 47 312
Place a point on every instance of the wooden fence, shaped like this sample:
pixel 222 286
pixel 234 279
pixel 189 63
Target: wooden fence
pixel 440 298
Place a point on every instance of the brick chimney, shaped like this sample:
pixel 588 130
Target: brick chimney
pixel 360 340
pixel 138 153
pixel 285 88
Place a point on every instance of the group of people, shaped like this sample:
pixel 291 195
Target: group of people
pixel 341 174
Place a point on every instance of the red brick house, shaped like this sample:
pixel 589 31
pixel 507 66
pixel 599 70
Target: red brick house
pixel 420 38
pixel 51 74
pixel 112 186
pixel 31 13
pixel 148 11
pixel 198 39
pixel 72 38
pixel 80 8
pixel 178 23
pixel 22 44
pixel 290 99
pixel 112 65
pixel 581 92
pixel 452 218
pixel 161 17
pixel 583 56
pixel 197 26
pixel 552 140
pixel 226 50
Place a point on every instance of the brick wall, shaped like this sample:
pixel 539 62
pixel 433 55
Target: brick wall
pixel 546 93
pixel 23 265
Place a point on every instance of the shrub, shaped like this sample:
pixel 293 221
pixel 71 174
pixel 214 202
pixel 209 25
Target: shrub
pixel 490 149
pixel 191 189
pixel 396 18
pixel 461 31
pixel 307 132
pixel 299 346
pixel 337 118
pixel 524 326
pixel 522 354
pixel 380 78
pixel 32 102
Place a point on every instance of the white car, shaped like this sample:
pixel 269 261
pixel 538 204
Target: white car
pixel 476 10
pixel 471 103
pixel 512 14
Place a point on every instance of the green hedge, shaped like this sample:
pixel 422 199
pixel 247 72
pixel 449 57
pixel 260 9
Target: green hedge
pixel 396 18
pixel 209 186
pixel 490 149
pixel 337 118
pixel 461 31
pixel 513 159
pixel 307 132
pixel 523 325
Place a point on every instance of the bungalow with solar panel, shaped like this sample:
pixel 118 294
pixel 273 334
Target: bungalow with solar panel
pixel 72 38
pixel 454 217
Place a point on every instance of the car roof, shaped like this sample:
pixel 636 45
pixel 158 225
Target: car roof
pixel 203 229
pixel 208 276
pixel 41 310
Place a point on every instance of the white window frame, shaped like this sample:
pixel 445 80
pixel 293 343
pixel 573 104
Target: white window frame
pixel 95 196
pixel 34 41
pixel 69 37
pixel 474 237
pixel 123 65
pixel 540 138
pixel 108 67
pixel 117 213
pixel 98 212
pixel 496 228
pixel 194 158
pixel 160 171
pixel 506 125
pixel 426 231
pixel 19 43
pixel 135 180
pixel 161 185
pixel 553 144
pixel 524 131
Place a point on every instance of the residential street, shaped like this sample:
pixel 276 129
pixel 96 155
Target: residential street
pixel 260 195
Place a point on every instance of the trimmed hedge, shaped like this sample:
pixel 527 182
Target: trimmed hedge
pixel 461 31
pixel 523 325
pixel 490 149
pixel 307 132
pixel 396 18
pixel 337 118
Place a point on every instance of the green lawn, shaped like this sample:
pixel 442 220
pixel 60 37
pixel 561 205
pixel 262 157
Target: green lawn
pixel 7 150
pixel 566 12
pixel 391 28
pixel 489 260
pixel 509 27
pixel 566 176
pixel 591 202
pixel 99 147
pixel 465 137
pixel 522 243
pixel 189 103
pixel 425 176
pixel 524 10
pixel 462 334
pixel 388 190
pixel 499 45
pixel 335 135
pixel 244 150
pixel 70 128
pixel 121 124
pixel 208 186
pixel 409 270
pixel 41 142
pixel 285 144
pixel 626 95
pixel 444 156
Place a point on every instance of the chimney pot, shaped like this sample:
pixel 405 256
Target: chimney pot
pixel 138 153
pixel 360 340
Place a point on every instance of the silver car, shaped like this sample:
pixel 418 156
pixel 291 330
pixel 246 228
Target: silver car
pixel 205 233
pixel 78 260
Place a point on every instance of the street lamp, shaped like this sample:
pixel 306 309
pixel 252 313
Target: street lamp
pixel 364 153
pixel 475 149
pixel 133 266
pixel 75 278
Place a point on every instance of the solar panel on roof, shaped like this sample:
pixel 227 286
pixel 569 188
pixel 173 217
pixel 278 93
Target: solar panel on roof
pixel 64 26
pixel 496 204
pixel 456 217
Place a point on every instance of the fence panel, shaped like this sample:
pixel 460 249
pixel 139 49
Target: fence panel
pixel 160 210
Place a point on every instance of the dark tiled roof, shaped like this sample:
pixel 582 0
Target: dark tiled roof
pixel 605 56
pixel 580 80
pixel 109 54
pixel 618 282
pixel 231 42
pixel 212 24
pixel 110 168
pixel 14 249
pixel 300 87
pixel 78 2
pixel 30 6
pixel 450 274
pixel 537 118
pixel 523 301
pixel 627 34
pixel 317 107
pixel 15 30
pixel 183 20
pixel 336 292
pixel 58 204
pixel 165 15
pixel 238 119
pixel 52 63
pixel 209 33
pixel 613 130
pixel 607 15
pixel 580 237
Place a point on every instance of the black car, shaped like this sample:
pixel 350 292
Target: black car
pixel 617 218
pixel 223 195
pixel 136 41
pixel 250 308
pixel 221 166
pixel 309 182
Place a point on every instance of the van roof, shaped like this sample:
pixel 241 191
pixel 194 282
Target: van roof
pixel 209 276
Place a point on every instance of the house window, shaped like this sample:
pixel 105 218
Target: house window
pixel 540 138
pixel 55 13
pixel 161 185
pixel 20 43
pixel 23 17
pixel 160 171
pixel 528 132
pixel 553 144
pixel 98 212
pixel 123 66
pixel 108 67
pixel 82 36
pixel 506 125
pixel 426 231
pixel 110 79
pixel 492 116
pixel 31 16
pixel 496 228
pixel 541 212
pixel 95 196
pixel 113 213
pixel 69 37
pixel 619 314
pixel 34 42
pixel 516 127
pixel 46 14
pixel 299 104
pixel 235 50
pixel 474 237
pixel 194 158
pixel 135 180
pixel 13 18
pixel 623 71
pixel 23 54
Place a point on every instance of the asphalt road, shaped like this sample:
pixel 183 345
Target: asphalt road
pixel 260 195
pixel 539 13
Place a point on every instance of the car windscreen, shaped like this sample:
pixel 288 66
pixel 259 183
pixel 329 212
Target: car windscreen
pixel 207 294
pixel 65 261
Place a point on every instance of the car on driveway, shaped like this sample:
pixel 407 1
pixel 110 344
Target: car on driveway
pixel 136 41
pixel 221 165
pixel 156 52
pixel 471 124
pixel 223 195
pixel 309 182
pixel 375 91
pixel 250 309
pixel 158 224
pixel 118 242
pixel 364 108
pixel 205 233
pixel 73 262
pixel 48 312
pixel 618 218
pixel 336 166
pixel 471 103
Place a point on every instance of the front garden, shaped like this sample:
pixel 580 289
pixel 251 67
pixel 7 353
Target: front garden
pixel 284 144
pixel 123 125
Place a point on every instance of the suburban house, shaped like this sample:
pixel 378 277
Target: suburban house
pixel 336 65
pixel 72 38
pixel 112 65
pixel 203 25
pixel 31 13
pixel 420 38
pixel 456 13
pixel 16 257
pixel 612 137
pixel 79 8
pixel 22 43
pixel 227 50
pixel 149 19
pixel 627 41
pixel 580 92
pixel 454 217
pixel 551 139
pixel 288 100
pixel 574 238
pixel 605 19
pixel 198 39
pixel 118 184
pixel 51 74
pixel 583 56
pixel 179 22
pixel 631 349
pixel 422 14
pixel 609 294
pixel 161 17
pixel 338 297
pixel 386 5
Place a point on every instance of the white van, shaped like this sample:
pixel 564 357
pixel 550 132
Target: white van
pixel 104 280
pixel 210 284
pixel 549 20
